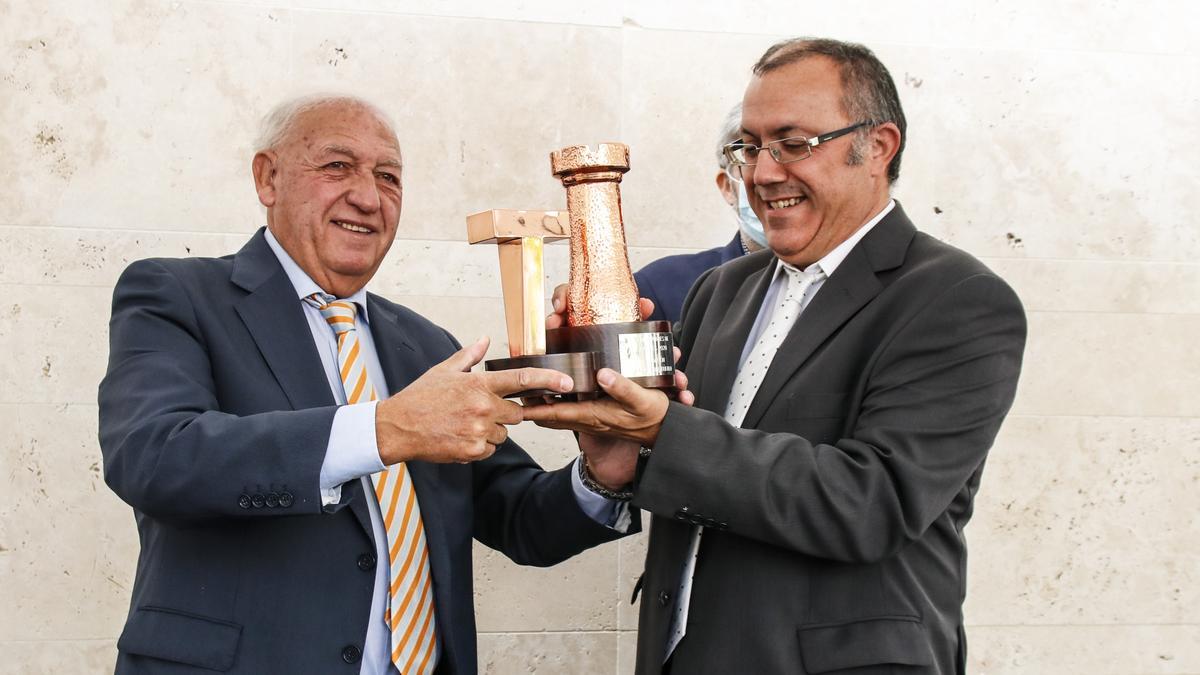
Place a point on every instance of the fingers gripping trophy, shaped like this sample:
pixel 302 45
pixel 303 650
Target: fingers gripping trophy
pixel 603 327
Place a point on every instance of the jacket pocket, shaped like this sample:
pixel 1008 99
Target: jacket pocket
pixel 893 640
pixel 173 635
pixel 817 406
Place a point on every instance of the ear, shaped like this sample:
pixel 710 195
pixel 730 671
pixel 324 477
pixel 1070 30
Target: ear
pixel 885 143
pixel 725 185
pixel 264 168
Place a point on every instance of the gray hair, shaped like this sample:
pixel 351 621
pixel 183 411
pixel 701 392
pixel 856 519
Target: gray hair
pixel 280 120
pixel 868 91
pixel 731 130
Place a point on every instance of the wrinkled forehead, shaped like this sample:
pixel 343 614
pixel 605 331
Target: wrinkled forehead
pixel 339 122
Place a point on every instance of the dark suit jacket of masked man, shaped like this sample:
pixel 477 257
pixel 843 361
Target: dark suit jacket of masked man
pixel 214 419
pixel 834 518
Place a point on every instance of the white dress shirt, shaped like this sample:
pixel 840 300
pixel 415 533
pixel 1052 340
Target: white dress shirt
pixel 352 452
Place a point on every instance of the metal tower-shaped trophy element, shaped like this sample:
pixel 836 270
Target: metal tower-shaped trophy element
pixel 603 323
pixel 602 297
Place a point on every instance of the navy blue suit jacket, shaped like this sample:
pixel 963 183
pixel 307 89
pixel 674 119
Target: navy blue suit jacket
pixel 214 419
pixel 667 280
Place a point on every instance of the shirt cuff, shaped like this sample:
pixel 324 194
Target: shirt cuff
pixel 352 451
pixel 608 512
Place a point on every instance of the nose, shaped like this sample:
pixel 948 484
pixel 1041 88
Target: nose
pixel 767 171
pixel 363 193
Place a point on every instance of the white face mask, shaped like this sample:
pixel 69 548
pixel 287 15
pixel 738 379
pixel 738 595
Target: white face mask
pixel 748 223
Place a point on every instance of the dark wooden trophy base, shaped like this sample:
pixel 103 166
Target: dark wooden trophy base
pixel 639 350
pixel 580 366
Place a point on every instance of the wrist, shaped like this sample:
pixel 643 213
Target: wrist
pixel 621 493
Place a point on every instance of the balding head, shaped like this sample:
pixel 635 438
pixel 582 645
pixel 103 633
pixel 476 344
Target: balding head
pixel 281 120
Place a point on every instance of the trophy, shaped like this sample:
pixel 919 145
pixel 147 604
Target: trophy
pixel 604 328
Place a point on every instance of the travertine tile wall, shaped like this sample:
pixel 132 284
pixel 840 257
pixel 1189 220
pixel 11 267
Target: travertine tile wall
pixel 1053 139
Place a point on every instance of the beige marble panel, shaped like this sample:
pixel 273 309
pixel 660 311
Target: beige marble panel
pixel 1110 364
pixel 91 257
pixel 68 546
pixel 626 652
pixel 132 114
pixel 1088 520
pixel 56 342
pixel 1102 286
pixel 677 88
pixel 578 594
pixel 480 104
pixel 543 11
pixel 548 653
pixel 54 657
pixel 1084 650
pixel 1002 163
pixel 1070 25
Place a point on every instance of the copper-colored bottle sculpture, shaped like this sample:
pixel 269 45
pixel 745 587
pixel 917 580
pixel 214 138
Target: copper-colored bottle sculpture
pixel 603 327
pixel 602 297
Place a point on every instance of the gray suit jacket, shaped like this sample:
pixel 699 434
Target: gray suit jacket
pixel 835 516
pixel 214 419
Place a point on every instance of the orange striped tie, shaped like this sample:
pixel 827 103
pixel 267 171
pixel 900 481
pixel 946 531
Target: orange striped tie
pixel 410 594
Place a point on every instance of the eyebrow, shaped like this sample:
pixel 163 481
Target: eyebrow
pixel 788 131
pixel 343 150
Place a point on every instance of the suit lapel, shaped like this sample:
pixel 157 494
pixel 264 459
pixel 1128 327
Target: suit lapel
pixel 853 285
pixel 721 362
pixel 273 315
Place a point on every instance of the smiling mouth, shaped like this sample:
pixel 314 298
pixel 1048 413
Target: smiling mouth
pixel 353 227
pixel 784 203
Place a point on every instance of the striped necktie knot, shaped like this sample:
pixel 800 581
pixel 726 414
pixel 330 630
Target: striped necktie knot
pixel 339 314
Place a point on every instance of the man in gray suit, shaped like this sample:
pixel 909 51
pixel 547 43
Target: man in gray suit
pixel 849 381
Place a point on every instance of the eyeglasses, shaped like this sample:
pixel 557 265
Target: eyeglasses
pixel 784 150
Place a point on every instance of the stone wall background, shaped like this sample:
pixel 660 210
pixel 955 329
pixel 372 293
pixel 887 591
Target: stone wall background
pixel 1052 139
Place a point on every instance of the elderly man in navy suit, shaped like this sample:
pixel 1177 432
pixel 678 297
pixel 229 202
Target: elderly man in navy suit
pixel 308 462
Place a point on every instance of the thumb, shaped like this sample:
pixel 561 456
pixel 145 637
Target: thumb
pixel 620 388
pixel 466 358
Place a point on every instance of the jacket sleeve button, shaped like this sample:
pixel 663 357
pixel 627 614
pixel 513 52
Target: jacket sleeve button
pixel 286 499
pixel 272 499
pixel 258 500
pixel 244 501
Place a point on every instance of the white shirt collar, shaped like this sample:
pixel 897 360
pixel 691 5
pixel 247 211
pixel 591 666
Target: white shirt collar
pixel 303 284
pixel 831 260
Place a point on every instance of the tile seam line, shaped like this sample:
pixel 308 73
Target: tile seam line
pixel 1131 418
pixel 631 23
pixel 394 293
pixel 684 250
pixel 610 632
pixel 452 17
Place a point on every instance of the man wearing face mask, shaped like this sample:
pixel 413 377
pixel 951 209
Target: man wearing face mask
pixel 667 280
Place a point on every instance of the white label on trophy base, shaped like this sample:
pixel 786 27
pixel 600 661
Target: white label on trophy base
pixel 645 354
